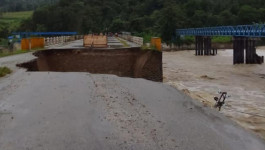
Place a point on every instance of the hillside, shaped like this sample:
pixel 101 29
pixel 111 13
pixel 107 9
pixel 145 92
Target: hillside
pixel 23 5
pixel 11 21
pixel 144 15
pixel 141 17
pixel 14 12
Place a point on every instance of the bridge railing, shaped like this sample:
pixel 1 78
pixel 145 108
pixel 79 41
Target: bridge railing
pixel 240 30
pixel 49 41
pixel 135 39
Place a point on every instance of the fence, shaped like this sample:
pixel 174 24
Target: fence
pixel 61 39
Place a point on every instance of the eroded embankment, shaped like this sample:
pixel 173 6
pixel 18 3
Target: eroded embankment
pixel 130 62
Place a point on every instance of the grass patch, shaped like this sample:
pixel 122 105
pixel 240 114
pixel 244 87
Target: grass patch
pixel 16 16
pixel 4 54
pixel 13 19
pixel 188 40
pixel 222 39
pixel 4 71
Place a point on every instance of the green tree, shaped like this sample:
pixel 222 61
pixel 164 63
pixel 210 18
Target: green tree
pixel 3 30
pixel 248 15
pixel 227 18
pixel 168 22
pixel 159 17
pixel 117 25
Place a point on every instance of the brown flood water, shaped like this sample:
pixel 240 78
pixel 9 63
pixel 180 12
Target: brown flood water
pixel 202 77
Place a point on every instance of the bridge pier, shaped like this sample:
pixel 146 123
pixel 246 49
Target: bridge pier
pixel 242 43
pixel 204 46
pixel 244 38
pixel 251 54
pixel 199 45
pixel 207 45
pixel 239 46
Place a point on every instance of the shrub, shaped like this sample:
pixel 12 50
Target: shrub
pixel 4 71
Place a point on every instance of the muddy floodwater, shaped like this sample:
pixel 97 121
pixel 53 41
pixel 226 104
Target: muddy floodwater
pixel 202 77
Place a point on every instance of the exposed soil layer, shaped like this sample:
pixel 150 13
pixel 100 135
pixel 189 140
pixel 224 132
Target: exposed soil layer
pixel 129 62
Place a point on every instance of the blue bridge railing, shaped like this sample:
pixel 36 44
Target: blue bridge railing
pixel 240 30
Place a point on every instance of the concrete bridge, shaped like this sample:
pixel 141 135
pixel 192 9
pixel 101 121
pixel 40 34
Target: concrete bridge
pixel 244 38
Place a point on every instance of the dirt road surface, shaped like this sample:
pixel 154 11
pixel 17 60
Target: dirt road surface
pixel 202 77
pixel 66 111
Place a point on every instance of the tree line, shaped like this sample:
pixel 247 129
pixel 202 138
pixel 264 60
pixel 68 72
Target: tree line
pixel 141 17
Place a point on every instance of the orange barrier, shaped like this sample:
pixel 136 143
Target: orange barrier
pixel 37 43
pixel 25 44
pixel 156 42
pixel 33 43
pixel 98 41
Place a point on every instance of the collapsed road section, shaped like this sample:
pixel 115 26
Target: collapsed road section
pixel 77 110
pixel 129 62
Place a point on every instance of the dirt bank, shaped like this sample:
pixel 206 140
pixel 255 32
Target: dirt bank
pixel 132 62
pixel 202 77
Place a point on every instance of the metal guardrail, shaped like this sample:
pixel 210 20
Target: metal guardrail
pixel 240 30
